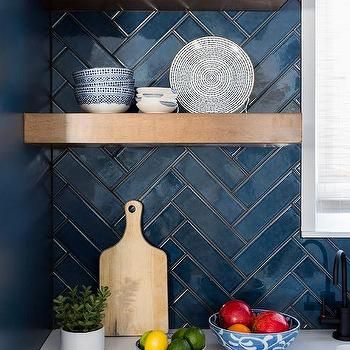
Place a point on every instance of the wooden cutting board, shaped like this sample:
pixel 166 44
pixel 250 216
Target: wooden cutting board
pixel 136 273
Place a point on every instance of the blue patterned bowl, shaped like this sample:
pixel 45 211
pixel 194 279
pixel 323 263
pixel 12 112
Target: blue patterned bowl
pixel 95 75
pixel 117 83
pixel 106 90
pixel 93 98
pixel 255 341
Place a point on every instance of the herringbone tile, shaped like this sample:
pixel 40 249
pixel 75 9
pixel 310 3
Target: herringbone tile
pixel 228 218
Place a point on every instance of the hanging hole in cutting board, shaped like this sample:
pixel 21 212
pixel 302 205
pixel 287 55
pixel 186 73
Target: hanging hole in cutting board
pixel 132 209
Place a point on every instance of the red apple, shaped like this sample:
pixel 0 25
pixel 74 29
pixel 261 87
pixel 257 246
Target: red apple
pixel 270 322
pixel 235 311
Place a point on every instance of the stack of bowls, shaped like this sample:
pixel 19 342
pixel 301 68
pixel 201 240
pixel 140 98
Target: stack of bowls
pixel 104 90
pixel 156 100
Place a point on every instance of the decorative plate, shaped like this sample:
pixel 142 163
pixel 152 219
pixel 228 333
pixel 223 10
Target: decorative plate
pixel 212 75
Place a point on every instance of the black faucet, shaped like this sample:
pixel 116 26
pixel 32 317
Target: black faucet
pixel 343 319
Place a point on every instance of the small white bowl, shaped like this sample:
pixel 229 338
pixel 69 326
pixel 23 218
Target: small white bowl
pixel 155 90
pixel 156 106
pixel 105 108
pixel 157 96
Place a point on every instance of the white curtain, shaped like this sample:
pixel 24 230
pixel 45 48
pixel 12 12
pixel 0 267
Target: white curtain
pixel 332 105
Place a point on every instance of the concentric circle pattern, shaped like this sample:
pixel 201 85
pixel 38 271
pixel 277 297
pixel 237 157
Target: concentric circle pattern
pixel 212 75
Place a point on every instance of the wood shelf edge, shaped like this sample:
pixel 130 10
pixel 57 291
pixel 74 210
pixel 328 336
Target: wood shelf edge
pixel 162 129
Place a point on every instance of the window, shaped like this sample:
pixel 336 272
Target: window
pixel 326 118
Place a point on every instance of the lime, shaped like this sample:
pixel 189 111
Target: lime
pixel 179 344
pixel 195 337
pixel 179 333
pixel 143 339
pixel 156 340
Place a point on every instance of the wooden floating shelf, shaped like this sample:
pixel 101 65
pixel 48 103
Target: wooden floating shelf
pixel 163 5
pixel 162 129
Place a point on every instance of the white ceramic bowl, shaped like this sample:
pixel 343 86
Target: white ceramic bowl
pixel 158 96
pixel 156 106
pixel 105 108
pixel 155 90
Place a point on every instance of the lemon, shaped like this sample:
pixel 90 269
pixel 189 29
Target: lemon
pixel 143 339
pixel 156 340
pixel 195 337
pixel 179 333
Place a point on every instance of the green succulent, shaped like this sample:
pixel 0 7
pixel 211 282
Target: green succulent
pixel 81 310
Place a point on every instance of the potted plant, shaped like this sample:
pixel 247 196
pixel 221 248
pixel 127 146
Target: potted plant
pixel 80 315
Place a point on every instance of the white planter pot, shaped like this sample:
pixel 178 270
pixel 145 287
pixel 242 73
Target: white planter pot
pixel 83 341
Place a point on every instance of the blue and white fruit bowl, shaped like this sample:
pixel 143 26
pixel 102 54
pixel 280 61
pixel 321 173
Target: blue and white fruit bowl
pixel 231 340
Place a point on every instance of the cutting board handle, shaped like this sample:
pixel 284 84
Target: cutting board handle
pixel 133 214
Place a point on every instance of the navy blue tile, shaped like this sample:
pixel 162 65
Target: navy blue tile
pixel 100 164
pixel 263 179
pixel 279 94
pixel 271 238
pixel 57 46
pixel 58 183
pixel 209 188
pixel 271 273
pixel 144 39
pixel 270 69
pixel 190 30
pixel 251 157
pixel 220 268
pixel 220 164
pixel 57 81
pixel 90 189
pixel 312 314
pixel 102 28
pixel 209 223
pixel 176 320
pixel 174 253
pixel 251 20
pixel 322 250
pixel 160 195
pixel 73 274
pixel 278 27
pixel 315 279
pixel 66 101
pixel 130 156
pixel 157 61
pixel 201 284
pixel 284 294
pixel 87 220
pixel 193 310
pixel 220 25
pixel 57 218
pixel 279 198
pixel 58 252
pixel 58 287
pixel 163 226
pixel 88 49
pixel 147 173
pixel 79 246
pixel 175 288
pixel 130 20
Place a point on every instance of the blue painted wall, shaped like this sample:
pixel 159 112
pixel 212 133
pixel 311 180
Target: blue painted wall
pixel 228 218
pixel 25 246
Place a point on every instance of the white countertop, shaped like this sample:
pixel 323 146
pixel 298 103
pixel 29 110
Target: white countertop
pixel 310 339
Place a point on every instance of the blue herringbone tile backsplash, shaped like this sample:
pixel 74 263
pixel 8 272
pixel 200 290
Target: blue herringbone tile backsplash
pixel 228 218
